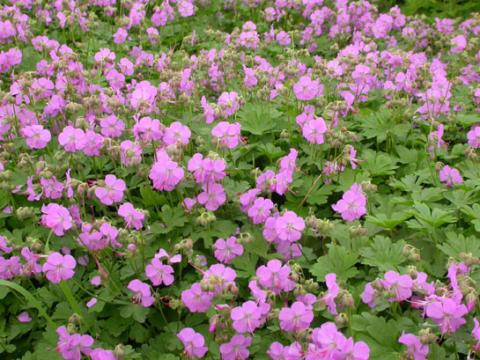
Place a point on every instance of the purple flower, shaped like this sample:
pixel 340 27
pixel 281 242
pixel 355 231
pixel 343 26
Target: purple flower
pixel 133 218
pixel 159 273
pixel 415 348
pixel 400 286
pixel 36 136
pixel 227 250
pixel 352 205
pixel 246 318
pixel 307 89
pixel 236 348
pixel 165 173
pixel 59 267
pixel 332 293
pixel 195 299
pixel 56 218
pixel 450 176
pixel 296 318
pixel 289 226
pixel 193 342
pixel 275 277
pixel 71 347
pixel 447 313
pixel 260 210
pixel 142 293
pixel 112 192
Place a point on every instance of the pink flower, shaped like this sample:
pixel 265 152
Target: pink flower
pixel 177 133
pixel 399 285
pixel 102 354
pixel 24 317
pixel 447 313
pixel 236 348
pixel 307 89
pixel 133 218
pixel 193 342
pixel 352 205
pixel 246 318
pixel 314 129
pixel 450 176
pixel 111 126
pixel 165 173
pixel 36 136
pixel 289 226
pixel 143 96
pixel 476 334
pixel 148 129
pixel 296 318
pixel 71 347
pixel 91 303
pixel 228 103
pixel 415 348
pixel 186 8
pixel 369 295
pixel 120 36
pixel 112 192
pixel 158 273
pixel 195 299
pixel 142 293
pixel 227 250
pixel 4 245
pixel 275 277
pixel 213 197
pixel 226 134
pixel 474 137
pixel 130 153
pixel 72 139
pixel 459 44
pixel 56 218
pixel 59 267
pixel 260 210
pixel 332 293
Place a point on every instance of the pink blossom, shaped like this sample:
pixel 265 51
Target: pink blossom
pixel 447 313
pixel 260 210
pixel 59 267
pixel 415 348
pixel 450 176
pixel 307 89
pixel 159 273
pixel 133 218
pixel 474 137
pixel 226 134
pixel 275 277
pixel 247 317
pixel 165 173
pixel 195 299
pixel 142 293
pixel 111 126
pixel 289 226
pixel 24 317
pixel 236 348
pixel 36 136
pixel 227 250
pixel 71 347
pixel 332 293
pixel 296 318
pixel 193 342
pixel 72 139
pixel 56 218
pixel 112 192
pixel 212 197
pixel 177 133
pixel 314 129
pixel 352 205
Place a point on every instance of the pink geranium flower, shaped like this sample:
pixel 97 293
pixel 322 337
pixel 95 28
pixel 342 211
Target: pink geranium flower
pixel 112 192
pixel 56 218
pixel 133 218
pixel 59 267
pixel 352 205
pixel 142 293
pixel 193 342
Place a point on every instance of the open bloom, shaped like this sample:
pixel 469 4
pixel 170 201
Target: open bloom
pixel 142 293
pixel 450 176
pixel 352 205
pixel 289 226
pixel 36 136
pixel 415 348
pixel 447 313
pixel 112 192
pixel 72 346
pixel 56 218
pixel 59 267
pixel 236 348
pixel 227 250
pixel 193 342
pixel 296 318
pixel 132 217
pixel 159 273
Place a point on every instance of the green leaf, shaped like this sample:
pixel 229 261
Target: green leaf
pixel 339 261
pixel 258 119
pixel 378 164
pixel 383 254
pixel 457 244
pixel 135 311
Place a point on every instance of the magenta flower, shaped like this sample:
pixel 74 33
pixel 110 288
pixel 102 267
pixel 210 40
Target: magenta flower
pixel 72 139
pixel 71 347
pixel 246 318
pixel 415 349
pixel 212 197
pixel 260 210
pixel 313 130
pixel 289 226
pixel 24 317
pixel 165 173
pixel 473 137
pixel 177 133
pixel 36 136
pixel 296 318
pixel 112 192
pixel 450 176
pixel 195 299
pixel 236 348
pixel 400 286
pixel 228 103
pixel 476 334
pixel 102 354
pixel 193 342
pixel 352 205
pixel 133 218
pixel 142 293
pixel 447 313
pixel 148 129
pixel 158 273
pixel 459 44
pixel 111 126
pixel 332 293
pixel 275 277
pixel 369 295
pixel 130 153
pixel 226 134
pixel 59 267
pixel 56 218
pixel 307 89
pixel 227 250
pixel 143 96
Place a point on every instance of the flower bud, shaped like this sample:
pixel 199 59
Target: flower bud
pixel 341 320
